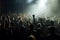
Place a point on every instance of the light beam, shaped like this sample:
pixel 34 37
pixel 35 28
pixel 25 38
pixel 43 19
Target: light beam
pixel 39 8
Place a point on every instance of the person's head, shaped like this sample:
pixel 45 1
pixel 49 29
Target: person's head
pixel 52 30
pixel 52 23
pixel 31 26
pixel 31 37
pixel 38 30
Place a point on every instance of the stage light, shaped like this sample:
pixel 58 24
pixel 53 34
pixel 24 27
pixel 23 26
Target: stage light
pixel 39 8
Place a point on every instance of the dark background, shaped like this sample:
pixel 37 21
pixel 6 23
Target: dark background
pixel 13 6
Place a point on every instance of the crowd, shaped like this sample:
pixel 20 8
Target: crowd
pixel 14 28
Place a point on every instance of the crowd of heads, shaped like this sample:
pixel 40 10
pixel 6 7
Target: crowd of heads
pixel 15 28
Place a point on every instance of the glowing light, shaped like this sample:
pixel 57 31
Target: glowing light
pixel 29 1
pixel 39 8
pixel 42 3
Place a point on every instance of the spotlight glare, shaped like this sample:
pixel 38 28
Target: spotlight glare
pixel 39 8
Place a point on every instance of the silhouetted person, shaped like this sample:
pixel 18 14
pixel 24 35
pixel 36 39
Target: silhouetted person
pixel 53 35
pixel 34 19
pixel 31 29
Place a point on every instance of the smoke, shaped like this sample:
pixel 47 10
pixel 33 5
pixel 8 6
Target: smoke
pixel 17 6
pixel 37 7
pixel 29 1
pixel 44 8
pixel 40 8
pixel 54 8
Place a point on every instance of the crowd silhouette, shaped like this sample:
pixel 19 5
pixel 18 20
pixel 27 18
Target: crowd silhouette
pixel 12 28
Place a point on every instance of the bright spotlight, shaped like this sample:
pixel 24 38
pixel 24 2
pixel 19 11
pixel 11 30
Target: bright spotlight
pixel 39 8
